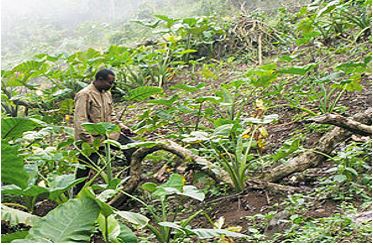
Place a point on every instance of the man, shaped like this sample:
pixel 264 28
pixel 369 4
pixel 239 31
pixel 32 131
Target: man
pixel 94 104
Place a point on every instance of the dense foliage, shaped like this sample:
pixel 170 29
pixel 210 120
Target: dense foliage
pixel 218 86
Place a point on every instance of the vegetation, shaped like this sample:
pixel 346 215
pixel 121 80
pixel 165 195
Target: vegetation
pixel 236 90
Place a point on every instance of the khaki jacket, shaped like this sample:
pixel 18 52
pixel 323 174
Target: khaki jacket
pixel 93 106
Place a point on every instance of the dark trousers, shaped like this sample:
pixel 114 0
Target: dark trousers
pixel 94 157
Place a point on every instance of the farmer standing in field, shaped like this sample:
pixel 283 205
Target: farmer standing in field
pixel 94 104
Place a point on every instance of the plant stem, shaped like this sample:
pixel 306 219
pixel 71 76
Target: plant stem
pixel 198 116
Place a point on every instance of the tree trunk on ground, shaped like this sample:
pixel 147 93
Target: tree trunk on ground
pixel 264 185
pixel 140 154
pixel 343 122
pixel 311 158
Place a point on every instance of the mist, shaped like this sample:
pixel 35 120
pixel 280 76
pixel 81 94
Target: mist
pixel 29 27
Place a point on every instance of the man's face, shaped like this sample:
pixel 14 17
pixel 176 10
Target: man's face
pixel 102 84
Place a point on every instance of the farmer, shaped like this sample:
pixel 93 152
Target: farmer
pixel 94 104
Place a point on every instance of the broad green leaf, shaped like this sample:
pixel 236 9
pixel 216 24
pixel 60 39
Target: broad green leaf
pixel 172 225
pixel 165 102
pixel 175 181
pixel 213 99
pixel 143 93
pixel 113 143
pixel 328 8
pixel 210 233
pixel 146 144
pixel 267 119
pixel 352 67
pixel 186 51
pixel 196 137
pixel 15 216
pixel 169 21
pixel 72 221
pixel 105 208
pixel 14 127
pixel 101 128
pixel 298 70
pixel 193 192
pixel 62 183
pixel 149 186
pixel 108 225
pixel 173 185
pixel 352 171
pixel 134 218
pixel 106 195
pixel 340 178
pixel 126 235
pixel 7 238
pixel 223 130
pixel 12 168
pixel 30 191
pixel 286 149
pixel 204 233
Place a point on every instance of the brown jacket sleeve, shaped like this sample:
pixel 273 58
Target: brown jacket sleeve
pixel 81 116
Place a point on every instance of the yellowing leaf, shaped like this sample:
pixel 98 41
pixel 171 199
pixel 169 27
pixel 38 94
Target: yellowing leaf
pixel 263 132
pixel 261 143
pixel 234 228
pixel 219 223
pixel 260 105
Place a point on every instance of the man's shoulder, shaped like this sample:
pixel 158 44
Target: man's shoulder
pixel 84 91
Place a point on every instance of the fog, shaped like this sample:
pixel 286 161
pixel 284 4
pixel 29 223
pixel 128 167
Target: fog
pixel 33 26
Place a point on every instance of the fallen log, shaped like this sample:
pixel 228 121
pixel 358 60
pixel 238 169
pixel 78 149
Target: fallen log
pixel 343 122
pixel 313 157
pixel 166 145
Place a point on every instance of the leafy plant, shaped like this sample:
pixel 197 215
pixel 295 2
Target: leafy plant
pixel 72 221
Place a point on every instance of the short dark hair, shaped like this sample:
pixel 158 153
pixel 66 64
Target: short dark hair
pixel 104 74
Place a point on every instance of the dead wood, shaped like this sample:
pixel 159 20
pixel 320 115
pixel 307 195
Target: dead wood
pixel 314 156
pixel 343 122
pixel 166 145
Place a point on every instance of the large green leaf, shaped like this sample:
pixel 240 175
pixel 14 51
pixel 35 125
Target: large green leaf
pixel 15 216
pixel 62 183
pixel 267 119
pixel 105 208
pixel 7 238
pixel 210 233
pixel 193 192
pixel 173 185
pixel 134 218
pixel 116 232
pixel 12 168
pixel 101 128
pixel 30 191
pixel 298 70
pixel 125 235
pixel 203 233
pixel 143 93
pixel 14 127
pixel 72 221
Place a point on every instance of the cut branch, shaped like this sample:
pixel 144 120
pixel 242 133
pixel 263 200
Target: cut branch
pixel 343 122
pixel 313 157
pixel 140 154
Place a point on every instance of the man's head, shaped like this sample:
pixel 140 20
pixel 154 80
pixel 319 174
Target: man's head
pixel 104 80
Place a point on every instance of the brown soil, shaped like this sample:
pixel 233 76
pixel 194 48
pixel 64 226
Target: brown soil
pixel 43 207
pixel 7 228
pixel 235 209
pixel 321 210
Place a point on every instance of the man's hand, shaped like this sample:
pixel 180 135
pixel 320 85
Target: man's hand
pixel 128 132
